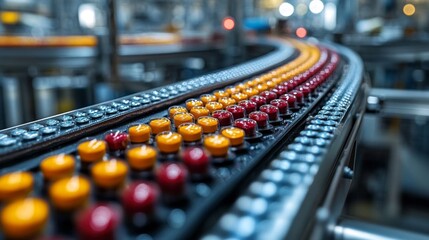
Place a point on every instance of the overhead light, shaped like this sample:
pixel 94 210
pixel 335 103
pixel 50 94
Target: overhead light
pixel 228 23
pixel 301 9
pixel 316 6
pixel 10 17
pixel 409 9
pixel 87 15
pixel 286 9
pixel 301 32
pixel 330 15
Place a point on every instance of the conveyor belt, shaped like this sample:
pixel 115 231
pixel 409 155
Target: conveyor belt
pixel 273 205
pixel 156 169
pixel 15 142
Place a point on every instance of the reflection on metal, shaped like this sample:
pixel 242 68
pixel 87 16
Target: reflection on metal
pixel 113 41
pixel 235 37
pixel 13 107
pixel 400 103
pixel 358 230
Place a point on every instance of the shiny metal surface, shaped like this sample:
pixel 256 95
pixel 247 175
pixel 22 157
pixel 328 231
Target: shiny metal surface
pixel 400 103
pixel 349 229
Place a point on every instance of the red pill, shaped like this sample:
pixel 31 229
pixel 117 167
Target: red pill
pixel 261 118
pixel 117 140
pixel 291 84
pixel 237 111
pixel 248 125
pixel 171 178
pixel 272 111
pixel 259 100
pixel 225 118
pixel 305 90
pixel 298 79
pixel 140 196
pixel 312 84
pixel 269 95
pixel 196 160
pixel 280 90
pixel 290 99
pixel 248 105
pixel 97 223
pixel 281 104
pixel 299 96
pixel 324 74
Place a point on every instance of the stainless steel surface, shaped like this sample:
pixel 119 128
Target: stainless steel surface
pixel 349 229
pixel 333 204
pixel 14 58
pixel 133 53
pixel 235 37
pixel 320 192
pixel 400 103
pixel 113 41
pixel 381 51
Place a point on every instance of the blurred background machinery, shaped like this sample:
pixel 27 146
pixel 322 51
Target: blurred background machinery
pixel 58 55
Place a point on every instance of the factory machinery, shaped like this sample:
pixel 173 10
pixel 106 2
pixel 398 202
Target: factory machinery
pixel 261 150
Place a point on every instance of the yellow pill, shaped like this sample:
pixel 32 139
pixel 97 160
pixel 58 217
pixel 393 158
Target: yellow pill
pixel 15 185
pixel 57 166
pixel 139 133
pixel 91 151
pixel 24 218
pixel 109 174
pixel 70 193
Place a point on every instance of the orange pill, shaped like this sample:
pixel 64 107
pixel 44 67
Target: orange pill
pixel 139 133
pixel 176 109
pixel 57 166
pixel 227 101
pixel 239 96
pixel 141 158
pixel 180 118
pixel 15 185
pixel 160 125
pixel 276 81
pixel 168 142
pixel 217 145
pixel 25 218
pixel 241 86
pixel 251 83
pixel 221 94
pixel 206 98
pixel 209 124
pixel 235 135
pixel 190 103
pixel 213 106
pixel 190 132
pixel 250 92
pixel 261 87
pixel 91 151
pixel 271 84
pixel 232 90
pixel 70 193
pixel 109 174
pixel 199 111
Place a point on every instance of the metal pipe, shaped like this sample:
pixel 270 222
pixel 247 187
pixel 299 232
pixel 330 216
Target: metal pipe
pixel 235 37
pixel 400 95
pixel 113 40
pixel 349 229
pixel 403 103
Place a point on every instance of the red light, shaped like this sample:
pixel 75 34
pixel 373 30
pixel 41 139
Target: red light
pixel 301 32
pixel 228 23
